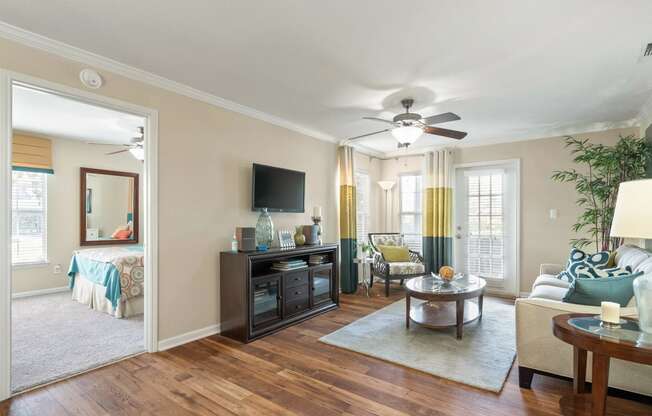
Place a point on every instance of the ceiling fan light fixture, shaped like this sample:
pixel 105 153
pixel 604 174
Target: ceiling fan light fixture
pixel 138 153
pixel 407 134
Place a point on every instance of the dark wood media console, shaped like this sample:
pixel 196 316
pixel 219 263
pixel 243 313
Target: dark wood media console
pixel 256 300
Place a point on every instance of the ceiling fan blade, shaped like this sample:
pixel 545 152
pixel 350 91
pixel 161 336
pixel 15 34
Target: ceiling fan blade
pixel 453 134
pixel 379 119
pixel 366 135
pixel 440 118
pixel 117 151
pixel 107 144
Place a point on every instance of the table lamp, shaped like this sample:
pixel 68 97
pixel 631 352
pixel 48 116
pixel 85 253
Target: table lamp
pixel 633 219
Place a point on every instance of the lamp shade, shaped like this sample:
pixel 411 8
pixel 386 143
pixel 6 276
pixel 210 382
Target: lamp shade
pixel 386 185
pixel 407 134
pixel 633 213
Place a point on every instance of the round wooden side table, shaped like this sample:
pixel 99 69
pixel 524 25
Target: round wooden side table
pixel 585 333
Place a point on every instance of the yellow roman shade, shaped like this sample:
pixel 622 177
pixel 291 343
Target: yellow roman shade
pixel 31 154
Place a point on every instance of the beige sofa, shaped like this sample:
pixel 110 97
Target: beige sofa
pixel 538 349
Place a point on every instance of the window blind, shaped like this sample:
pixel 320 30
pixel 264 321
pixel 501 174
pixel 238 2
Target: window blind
pixel 28 217
pixel 363 206
pixel 410 210
pixel 31 154
pixel 485 242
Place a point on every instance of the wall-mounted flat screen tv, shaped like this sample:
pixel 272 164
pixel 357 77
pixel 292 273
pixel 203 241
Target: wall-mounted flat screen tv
pixel 277 189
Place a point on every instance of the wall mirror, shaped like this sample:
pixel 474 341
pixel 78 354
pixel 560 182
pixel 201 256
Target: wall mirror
pixel 109 207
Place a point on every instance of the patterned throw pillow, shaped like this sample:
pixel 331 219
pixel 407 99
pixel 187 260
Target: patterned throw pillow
pixel 590 266
pixel 599 259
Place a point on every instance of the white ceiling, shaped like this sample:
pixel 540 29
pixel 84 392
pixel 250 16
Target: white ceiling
pixel 512 69
pixel 48 114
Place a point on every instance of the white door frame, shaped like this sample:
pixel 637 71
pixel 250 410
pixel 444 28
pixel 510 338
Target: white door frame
pixel 7 79
pixel 516 164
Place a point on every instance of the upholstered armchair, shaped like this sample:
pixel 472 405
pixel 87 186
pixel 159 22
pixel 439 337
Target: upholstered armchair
pixel 389 271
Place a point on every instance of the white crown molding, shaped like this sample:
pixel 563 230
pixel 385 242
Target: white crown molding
pixel 575 130
pixel 73 53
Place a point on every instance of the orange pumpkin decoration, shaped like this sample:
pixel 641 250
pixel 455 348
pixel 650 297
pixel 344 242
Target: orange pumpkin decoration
pixel 446 273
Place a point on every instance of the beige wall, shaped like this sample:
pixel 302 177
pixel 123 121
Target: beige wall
pixel 63 209
pixel 542 240
pixel 205 157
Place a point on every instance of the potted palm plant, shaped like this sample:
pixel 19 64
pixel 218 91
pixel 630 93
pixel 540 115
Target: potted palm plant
pixel 601 170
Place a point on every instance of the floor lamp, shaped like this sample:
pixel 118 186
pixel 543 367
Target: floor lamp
pixel 386 186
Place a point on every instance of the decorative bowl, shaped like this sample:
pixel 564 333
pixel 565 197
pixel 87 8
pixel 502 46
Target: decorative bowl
pixel 446 273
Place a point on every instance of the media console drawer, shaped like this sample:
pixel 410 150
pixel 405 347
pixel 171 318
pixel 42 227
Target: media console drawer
pixel 297 292
pixel 298 278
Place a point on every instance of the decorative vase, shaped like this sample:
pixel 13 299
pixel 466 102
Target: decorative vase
pixel 643 293
pixel 264 229
pixel 299 238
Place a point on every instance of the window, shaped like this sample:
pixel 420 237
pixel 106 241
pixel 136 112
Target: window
pixel 28 218
pixel 363 209
pixel 485 216
pixel 410 210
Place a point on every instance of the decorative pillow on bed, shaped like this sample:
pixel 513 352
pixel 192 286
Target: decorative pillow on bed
pixel 123 234
pixel 590 266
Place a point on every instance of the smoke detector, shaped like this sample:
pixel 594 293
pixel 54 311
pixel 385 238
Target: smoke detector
pixel 90 78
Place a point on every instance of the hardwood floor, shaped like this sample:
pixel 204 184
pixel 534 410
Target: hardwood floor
pixel 290 372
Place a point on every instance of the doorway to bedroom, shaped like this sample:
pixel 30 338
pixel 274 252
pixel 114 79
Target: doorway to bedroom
pixel 78 261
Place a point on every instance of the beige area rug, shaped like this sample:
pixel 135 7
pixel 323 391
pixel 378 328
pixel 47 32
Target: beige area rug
pixel 482 358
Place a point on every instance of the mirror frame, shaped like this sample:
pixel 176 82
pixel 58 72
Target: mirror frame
pixel 82 207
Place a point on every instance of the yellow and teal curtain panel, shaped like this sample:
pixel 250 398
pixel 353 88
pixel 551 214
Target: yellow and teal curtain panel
pixel 438 210
pixel 348 243
pixel 31 154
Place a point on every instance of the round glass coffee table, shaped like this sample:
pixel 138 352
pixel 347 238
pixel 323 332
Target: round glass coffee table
pixel 445 304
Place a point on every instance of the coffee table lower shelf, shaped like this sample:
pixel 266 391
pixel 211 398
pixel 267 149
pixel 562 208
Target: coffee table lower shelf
pixel 442 314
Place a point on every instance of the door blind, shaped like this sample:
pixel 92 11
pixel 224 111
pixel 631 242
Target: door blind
pixel 28 218
pixel 485 242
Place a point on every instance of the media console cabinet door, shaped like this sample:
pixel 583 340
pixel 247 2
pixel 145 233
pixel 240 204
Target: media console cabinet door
pixel 266 302
pixel 322 284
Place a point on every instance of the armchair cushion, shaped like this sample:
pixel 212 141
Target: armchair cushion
pixel 406 268
pixel 395 253
pixel 389 239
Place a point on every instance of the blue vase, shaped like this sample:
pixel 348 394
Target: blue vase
pixel 264 229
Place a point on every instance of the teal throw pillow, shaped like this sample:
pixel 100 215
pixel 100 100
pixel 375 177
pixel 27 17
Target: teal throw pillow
pixel 588 291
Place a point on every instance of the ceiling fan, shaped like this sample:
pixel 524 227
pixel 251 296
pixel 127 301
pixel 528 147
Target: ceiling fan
pixel 408 127
pixel 135 147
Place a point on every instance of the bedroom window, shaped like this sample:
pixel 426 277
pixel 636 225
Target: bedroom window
pixel 28 218
pixel 410 210
pixel 362 200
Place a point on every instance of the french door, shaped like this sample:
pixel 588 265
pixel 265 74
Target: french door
pixel 486 223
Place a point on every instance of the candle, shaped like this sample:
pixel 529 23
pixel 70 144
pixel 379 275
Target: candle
pixel 610 312
pixel 316 212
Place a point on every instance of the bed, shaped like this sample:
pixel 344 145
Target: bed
pixel 109 279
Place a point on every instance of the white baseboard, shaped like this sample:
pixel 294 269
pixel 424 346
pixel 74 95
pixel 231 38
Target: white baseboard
pixel 40 292
pixel 524 294
pixel 172 342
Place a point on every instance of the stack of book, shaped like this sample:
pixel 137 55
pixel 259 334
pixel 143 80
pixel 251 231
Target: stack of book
pixel 316 259
pixel 286 265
